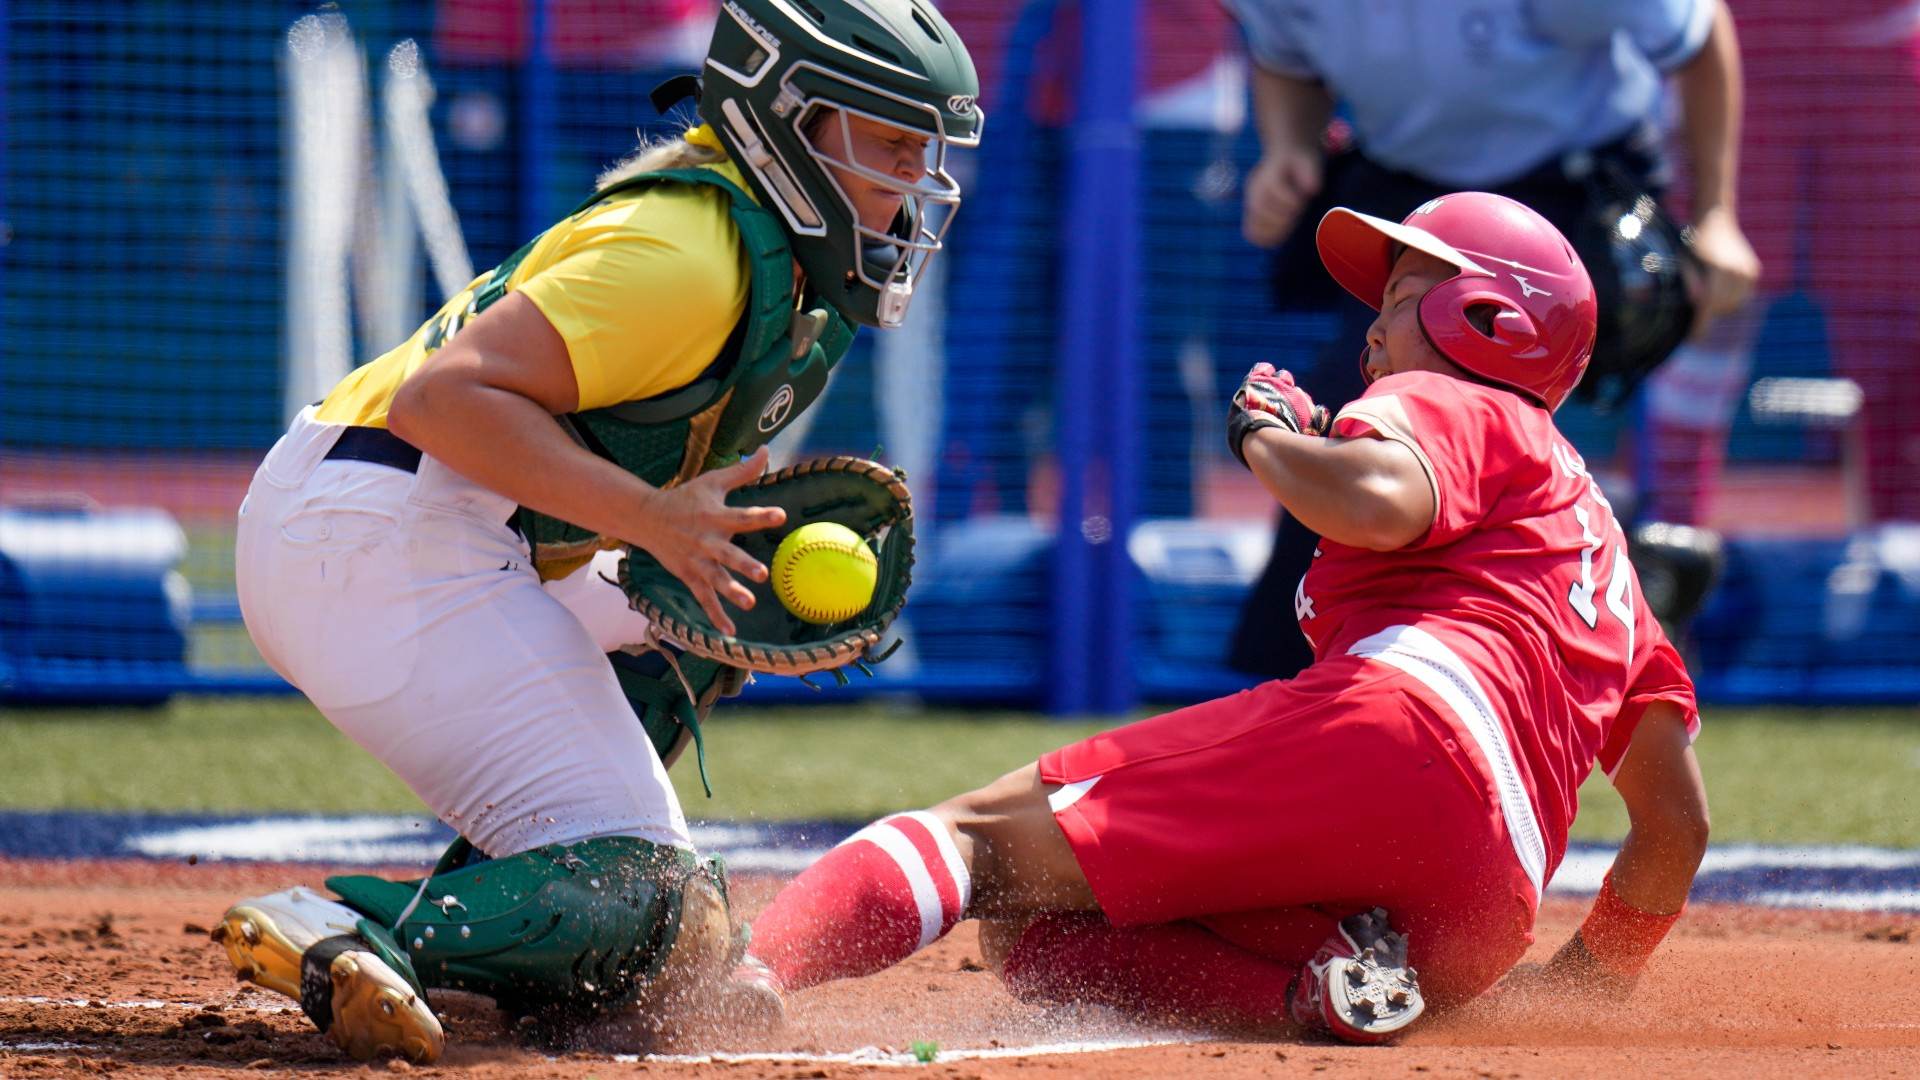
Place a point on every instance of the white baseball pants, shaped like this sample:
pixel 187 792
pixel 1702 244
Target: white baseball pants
pixel 410 614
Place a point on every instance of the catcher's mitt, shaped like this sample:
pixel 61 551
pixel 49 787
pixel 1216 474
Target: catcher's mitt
pixel 863 495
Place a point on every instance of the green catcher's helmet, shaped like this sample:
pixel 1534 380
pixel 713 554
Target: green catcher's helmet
pixel 776 68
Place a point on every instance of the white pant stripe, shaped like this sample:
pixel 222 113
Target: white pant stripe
pixel 901 850
pixel 1067 794
pixel 949 854
pixel 1441 670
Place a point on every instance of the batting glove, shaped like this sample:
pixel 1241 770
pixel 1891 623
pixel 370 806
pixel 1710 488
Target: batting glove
pixel 1270 398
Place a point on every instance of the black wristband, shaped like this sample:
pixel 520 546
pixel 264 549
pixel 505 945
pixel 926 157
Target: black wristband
pixel 1242 423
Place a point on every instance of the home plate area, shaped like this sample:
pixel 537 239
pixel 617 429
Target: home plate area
pixel 1790 963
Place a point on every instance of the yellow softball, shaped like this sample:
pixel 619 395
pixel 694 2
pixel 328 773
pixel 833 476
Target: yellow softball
pixel 824 572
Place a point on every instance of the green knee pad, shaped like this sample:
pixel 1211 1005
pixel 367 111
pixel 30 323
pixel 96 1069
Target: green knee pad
pixel 572 927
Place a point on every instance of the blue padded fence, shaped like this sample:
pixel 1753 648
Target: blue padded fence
pixel 1099 305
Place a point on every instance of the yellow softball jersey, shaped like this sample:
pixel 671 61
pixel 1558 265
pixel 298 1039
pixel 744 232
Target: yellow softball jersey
pixel 644 288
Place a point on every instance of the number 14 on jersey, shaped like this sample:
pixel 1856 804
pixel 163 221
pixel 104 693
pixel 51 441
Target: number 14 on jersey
pixel 1619 576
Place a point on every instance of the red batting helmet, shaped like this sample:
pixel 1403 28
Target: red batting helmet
pixel 1510 259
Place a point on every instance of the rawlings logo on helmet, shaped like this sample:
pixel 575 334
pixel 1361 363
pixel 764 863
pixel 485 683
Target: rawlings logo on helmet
pixel 778 406
pixel 961 103
pixel 753 25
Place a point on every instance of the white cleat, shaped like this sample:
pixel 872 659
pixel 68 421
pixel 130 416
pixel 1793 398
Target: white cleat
pixel 1359 987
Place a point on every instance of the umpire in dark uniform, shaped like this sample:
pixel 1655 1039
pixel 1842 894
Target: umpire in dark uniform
pixel 1550 102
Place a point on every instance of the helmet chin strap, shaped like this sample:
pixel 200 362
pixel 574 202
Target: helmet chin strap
pixel 674 91
pixel 881 252
pixel 895 297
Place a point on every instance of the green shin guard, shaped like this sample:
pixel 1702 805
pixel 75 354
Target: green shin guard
pixel 567 930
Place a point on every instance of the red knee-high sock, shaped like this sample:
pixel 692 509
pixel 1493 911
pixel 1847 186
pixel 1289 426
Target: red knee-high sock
pixel 1172 971
pixel 886 892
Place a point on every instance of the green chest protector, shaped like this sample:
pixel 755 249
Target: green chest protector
pixel 773 366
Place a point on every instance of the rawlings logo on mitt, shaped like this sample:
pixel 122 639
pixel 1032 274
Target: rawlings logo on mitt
pixel 865 496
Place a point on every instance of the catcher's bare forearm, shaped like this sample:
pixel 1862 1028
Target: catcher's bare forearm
pixel 485 405
pixel 1367 493
pixel 510 444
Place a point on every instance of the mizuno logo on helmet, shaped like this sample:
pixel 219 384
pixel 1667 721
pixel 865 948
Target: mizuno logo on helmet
pixel 1430 205
pixel 1527 288
pixel 961 104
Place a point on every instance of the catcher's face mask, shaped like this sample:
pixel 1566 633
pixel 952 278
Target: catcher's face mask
pixel 793 91
pixel 894 185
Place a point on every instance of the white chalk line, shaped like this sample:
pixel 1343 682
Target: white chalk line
pixel 866 1055
pixel 98 1003
pixel 873 1055
pixel 1891 900
pixel 43 1047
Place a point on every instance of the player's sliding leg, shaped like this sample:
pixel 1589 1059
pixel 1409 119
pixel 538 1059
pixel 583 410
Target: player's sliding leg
pixel 1355 985
pixel 902 882
pixel 1179 973
pixel 883 894
pixel 1243 804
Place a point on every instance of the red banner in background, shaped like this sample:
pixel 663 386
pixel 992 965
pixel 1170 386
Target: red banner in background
pixel 579 32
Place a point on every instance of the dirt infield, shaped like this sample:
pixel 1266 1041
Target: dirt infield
pixel 105 969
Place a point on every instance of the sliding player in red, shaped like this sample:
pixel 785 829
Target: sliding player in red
pixel 1291 854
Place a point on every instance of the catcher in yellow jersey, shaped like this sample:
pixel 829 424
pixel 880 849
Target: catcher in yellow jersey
pixel 442 553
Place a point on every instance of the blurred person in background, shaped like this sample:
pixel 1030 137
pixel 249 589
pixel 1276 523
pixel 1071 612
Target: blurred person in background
pixel 431 553
pixel 1830 194
pixel 1551 102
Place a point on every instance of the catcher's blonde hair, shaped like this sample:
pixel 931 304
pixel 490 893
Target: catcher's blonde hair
pixel 652 155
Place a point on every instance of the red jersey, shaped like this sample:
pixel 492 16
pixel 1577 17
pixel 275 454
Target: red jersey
pixel 1518 609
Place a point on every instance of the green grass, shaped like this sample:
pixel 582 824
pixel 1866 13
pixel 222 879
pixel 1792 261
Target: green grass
pixel 278 753
pixel 1774 775
pixel 1784 776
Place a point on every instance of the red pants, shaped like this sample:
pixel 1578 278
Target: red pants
pixel 1269 815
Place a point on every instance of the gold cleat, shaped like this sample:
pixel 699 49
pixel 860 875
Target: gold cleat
pixel 376 1012
pixel 266 937
pixel 304 946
